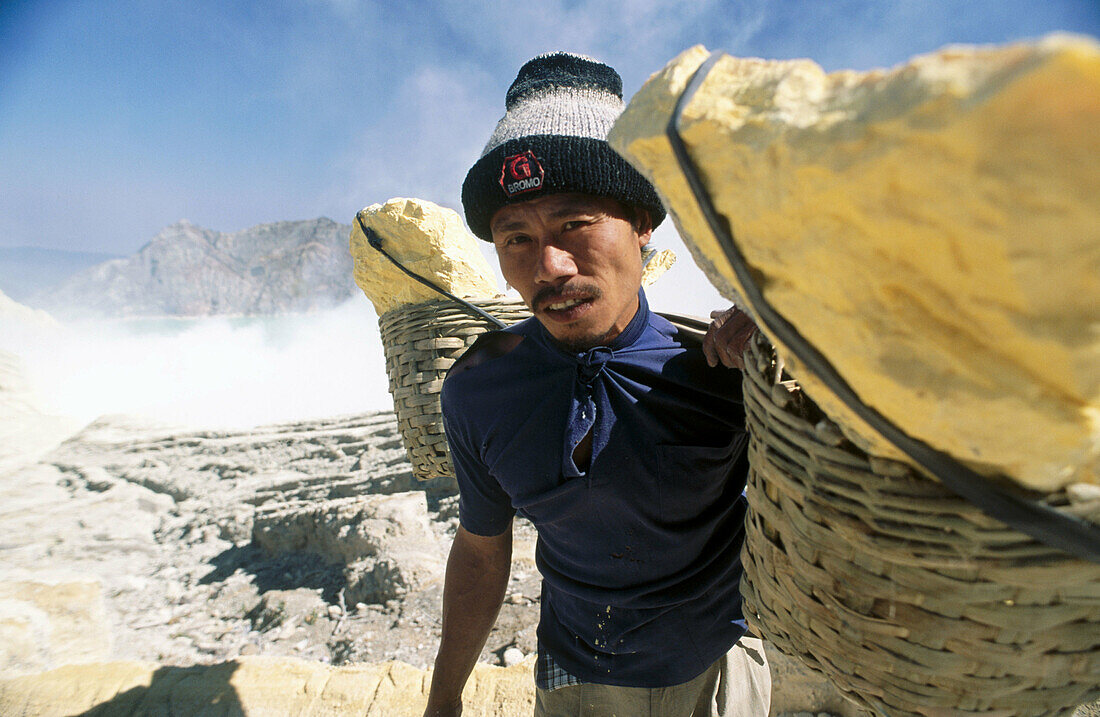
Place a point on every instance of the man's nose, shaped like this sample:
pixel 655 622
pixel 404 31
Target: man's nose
pixel 554 264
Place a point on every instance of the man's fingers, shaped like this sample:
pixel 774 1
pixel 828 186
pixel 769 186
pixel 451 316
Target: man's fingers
pixel 737 344
pixel 731 349
pixel 709 350
pixel 727 337
pixel 718 317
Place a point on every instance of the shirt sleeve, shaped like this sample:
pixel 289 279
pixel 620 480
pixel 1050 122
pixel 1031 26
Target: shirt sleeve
pixel 483 506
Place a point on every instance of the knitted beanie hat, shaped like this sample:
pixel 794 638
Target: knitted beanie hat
pixel 553 139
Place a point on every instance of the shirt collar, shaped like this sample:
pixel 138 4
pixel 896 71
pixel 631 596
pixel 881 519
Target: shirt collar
pixel 637 324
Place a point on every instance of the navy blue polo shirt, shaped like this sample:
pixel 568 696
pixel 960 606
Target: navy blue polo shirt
pixel 640 552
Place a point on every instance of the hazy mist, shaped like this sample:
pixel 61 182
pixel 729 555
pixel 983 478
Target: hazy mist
pixel 209 372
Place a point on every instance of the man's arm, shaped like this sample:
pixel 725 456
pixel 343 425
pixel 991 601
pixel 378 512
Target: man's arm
pixel 727 337
pixel 477 576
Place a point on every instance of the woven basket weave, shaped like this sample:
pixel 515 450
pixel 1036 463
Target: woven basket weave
pixel 908 598
pixel 421 342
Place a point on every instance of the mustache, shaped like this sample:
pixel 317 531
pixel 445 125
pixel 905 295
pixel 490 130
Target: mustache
pixel 554 294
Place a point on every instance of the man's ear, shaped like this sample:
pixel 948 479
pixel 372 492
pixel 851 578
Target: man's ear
pixel 643 225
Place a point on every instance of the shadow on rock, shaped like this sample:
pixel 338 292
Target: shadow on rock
pixel 283 571
pixel 197 691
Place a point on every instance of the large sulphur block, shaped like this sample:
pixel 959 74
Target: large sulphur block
pixel 429 240
pixel 933 230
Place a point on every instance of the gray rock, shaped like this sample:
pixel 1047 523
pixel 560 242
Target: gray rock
pixel 187 270
pixel 286 608
pixel 386 541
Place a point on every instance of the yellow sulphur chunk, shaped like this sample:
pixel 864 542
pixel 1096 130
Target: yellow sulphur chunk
pixel 933 230
pixel 429 240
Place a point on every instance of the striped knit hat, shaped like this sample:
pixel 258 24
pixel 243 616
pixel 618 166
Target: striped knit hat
pixel 552 139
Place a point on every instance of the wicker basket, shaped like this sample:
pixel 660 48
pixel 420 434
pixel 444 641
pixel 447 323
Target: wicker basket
pixel 908 598
pixel 421 342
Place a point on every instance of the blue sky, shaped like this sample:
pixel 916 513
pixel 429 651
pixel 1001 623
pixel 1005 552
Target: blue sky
pixel 120 117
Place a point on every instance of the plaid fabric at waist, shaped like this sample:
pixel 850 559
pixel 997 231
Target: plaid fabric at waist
pixel 550 676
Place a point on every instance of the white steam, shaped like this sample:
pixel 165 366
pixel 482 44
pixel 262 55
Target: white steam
pixel 211 372
pixel 242 372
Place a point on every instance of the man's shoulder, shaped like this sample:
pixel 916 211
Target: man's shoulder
pixel 483 380
pixel 488 346
pixel 681 329
pixel 483 358
pixel 677 350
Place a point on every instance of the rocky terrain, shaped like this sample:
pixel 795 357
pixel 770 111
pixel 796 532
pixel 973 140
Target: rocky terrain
pixel 143 565
pixel 309 540
pixel 130 541
pixel 187 270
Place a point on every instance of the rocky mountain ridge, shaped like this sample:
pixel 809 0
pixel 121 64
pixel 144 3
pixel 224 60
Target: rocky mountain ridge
pixel 188 270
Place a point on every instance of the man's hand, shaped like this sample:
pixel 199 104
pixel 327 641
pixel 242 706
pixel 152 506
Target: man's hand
pixel 727 337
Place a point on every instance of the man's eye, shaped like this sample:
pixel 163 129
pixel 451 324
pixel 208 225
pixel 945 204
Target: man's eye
pixel 572 225
pixel 517 239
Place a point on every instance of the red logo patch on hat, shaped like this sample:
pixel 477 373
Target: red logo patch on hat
pixel 521 173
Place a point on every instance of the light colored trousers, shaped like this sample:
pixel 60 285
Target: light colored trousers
pixel 736 685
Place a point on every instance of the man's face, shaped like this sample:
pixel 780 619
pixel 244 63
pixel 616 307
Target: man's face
pixel 576 261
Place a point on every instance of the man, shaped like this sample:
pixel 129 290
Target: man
pixel 622 442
